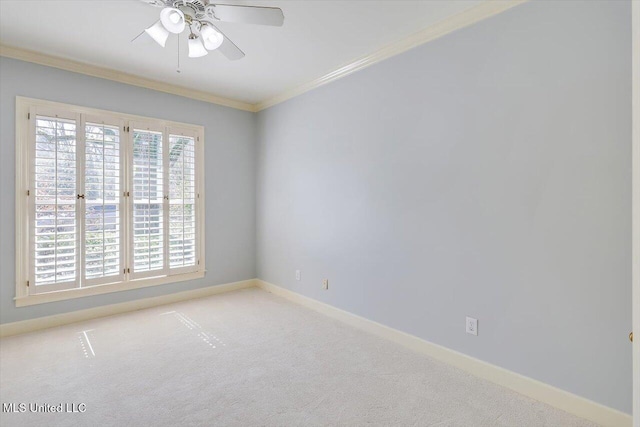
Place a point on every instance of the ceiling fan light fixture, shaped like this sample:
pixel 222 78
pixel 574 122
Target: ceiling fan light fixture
pixel 173 20
pixel 196 49
pixel 158 33
pixel 174 17
pixel 202 17
pixel 212 39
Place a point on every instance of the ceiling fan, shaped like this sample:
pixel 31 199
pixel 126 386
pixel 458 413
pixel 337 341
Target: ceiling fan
pixel 200 16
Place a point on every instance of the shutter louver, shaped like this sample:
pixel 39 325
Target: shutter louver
pixel 55 222
pixel 148 201
pixel 110 203
pixel 102 190
pixel 182 199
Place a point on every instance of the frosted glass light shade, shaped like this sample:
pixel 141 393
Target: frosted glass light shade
pixel 172 20
pixel 212 39
pixel 196 49
pixel 158 33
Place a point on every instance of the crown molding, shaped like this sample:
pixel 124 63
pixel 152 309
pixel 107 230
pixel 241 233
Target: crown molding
pixel 118 76
pixel 484 10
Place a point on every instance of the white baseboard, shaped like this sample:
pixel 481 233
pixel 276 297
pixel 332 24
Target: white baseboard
pixel 535 389
pixel 24 326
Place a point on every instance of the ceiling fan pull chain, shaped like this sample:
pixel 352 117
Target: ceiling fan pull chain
pixel 136 37
pixel 176 15
pixel 178 70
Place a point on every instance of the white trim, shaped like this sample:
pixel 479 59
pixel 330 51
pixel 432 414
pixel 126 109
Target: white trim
pixel 463 19
pixel 635 257
pixel 482 11
pixel 535 389
pixel 105 288
pixel 540 391
pixel 23 101
pixel 22 219
pixel 118 76
pixel 31 325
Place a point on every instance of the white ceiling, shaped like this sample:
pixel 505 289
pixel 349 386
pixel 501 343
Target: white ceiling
pixel 317 37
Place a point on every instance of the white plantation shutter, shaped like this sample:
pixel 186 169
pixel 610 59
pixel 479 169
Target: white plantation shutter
pixel 109 200
pixel 54 208
pixel 148 201
pixel 103 183
pixel 182 202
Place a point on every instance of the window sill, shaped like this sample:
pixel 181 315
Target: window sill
pixel 104 289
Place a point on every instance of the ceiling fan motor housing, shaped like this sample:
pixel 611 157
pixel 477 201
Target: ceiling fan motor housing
pixel 196 9
pixel 193 8
pixel 200 16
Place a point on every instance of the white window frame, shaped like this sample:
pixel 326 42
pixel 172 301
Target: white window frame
pixel 26 109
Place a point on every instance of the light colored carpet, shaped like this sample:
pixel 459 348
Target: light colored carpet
pixel 246 358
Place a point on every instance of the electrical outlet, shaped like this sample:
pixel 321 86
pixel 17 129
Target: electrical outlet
pixel 472 326
pixel 325 284
pixel 298 275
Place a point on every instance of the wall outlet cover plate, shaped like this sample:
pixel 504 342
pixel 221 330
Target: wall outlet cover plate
pixel 472 326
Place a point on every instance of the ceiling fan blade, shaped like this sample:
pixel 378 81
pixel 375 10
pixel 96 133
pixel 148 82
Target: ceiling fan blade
pixel 246 14
pixel 157 3
pixel 228 48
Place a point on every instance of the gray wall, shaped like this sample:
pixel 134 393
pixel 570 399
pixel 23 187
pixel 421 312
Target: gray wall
pixel 487 173
pixel 229 176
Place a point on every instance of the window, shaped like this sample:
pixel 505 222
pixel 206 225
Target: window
pixel 106 201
